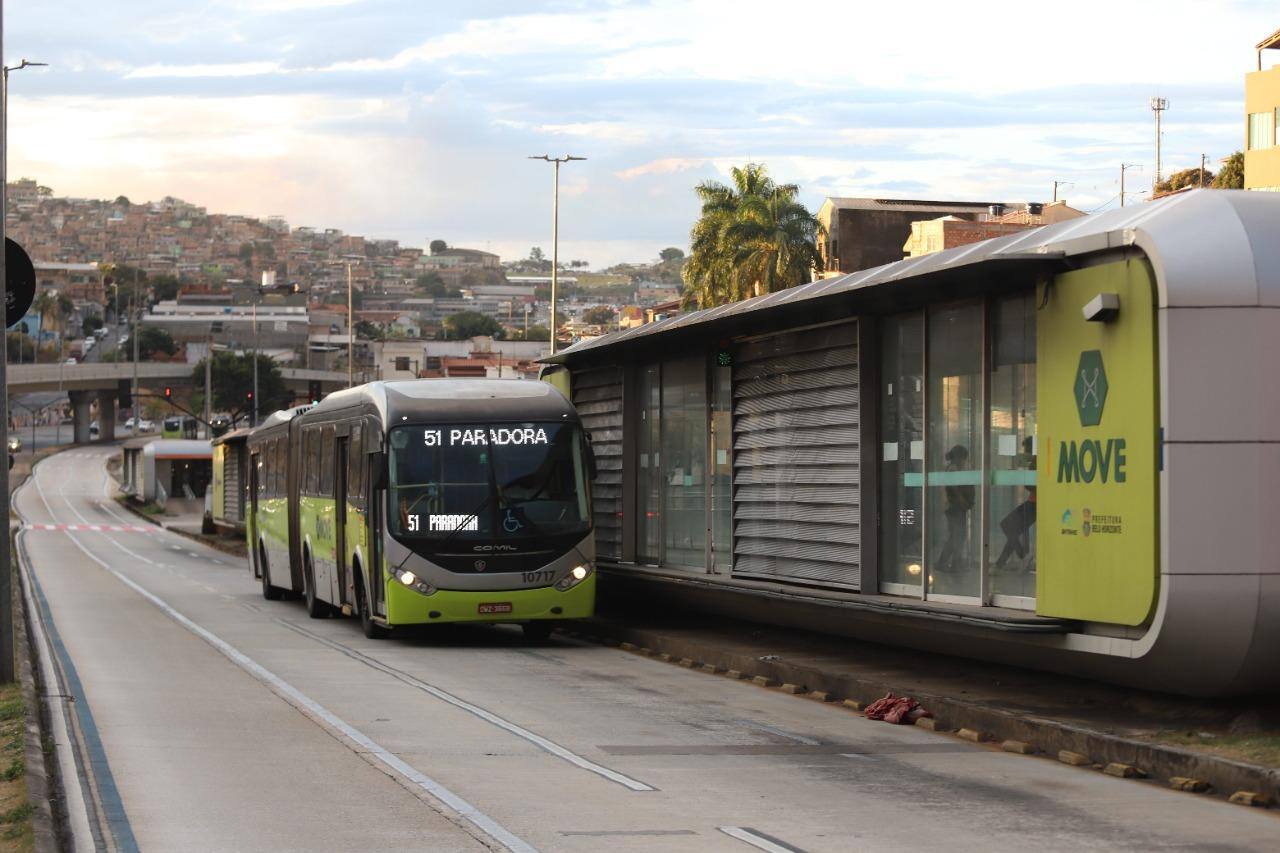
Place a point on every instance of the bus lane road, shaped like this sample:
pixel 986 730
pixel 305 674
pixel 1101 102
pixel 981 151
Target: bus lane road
pixel 561 747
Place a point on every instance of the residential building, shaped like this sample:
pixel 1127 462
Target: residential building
pixel 868 232
pixel 947 232
pixel 1262 115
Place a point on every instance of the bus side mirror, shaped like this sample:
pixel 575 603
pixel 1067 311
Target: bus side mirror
pixel 592 469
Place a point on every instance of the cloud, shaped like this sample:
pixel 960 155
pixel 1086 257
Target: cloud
pixel 411 120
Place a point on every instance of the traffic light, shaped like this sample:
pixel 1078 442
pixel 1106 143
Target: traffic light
pixel 248 397
pixel 314 393
pixel 168 393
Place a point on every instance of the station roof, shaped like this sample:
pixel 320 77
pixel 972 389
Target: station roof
pixel 1202 245
pixel 179 448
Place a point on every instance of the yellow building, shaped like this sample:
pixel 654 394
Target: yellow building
pixel 1262 110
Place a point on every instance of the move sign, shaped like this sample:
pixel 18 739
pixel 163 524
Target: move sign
pixel 1096 383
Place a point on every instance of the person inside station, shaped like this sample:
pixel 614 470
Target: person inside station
pixel 960 500
pixel 1018 523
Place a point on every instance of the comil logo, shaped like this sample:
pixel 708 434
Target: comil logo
pixel 1091 387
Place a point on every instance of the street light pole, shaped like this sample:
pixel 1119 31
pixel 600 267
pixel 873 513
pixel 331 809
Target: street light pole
pixel 8 665
pixel 351 340
pixel 555 234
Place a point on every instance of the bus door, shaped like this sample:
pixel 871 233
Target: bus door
pixel 343 591
pixel 253 514
pixel 373 502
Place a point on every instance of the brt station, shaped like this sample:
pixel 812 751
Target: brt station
pixel 1056 449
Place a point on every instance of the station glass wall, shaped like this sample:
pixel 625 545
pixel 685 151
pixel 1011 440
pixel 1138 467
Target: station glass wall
pixel 957 461
pixel 679 495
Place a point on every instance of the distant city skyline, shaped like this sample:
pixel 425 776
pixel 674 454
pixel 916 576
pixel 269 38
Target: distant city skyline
pixel 392 119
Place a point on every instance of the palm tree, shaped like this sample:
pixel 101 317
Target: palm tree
pixel 753 237
pixel 44 305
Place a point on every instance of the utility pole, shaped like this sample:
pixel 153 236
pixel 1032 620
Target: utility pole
pixel 136 313
pixel 555 234
pixel 1124 166
pixel 351 340
pixel 1158 106
pixel 258 295
pixel 208 385
pixel 1202 160
pixel 1057 184
pixel 8 666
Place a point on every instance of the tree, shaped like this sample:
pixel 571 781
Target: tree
pixel 438 246
pixel 20 347
pixel 600 315
pixel 470 324
pixel 536 255
pixel 1231 176
pixel 90 324
pixel 152 340
pixel 231 376
pixel 1185 178
pixel 121 201
pixel 753 237
pixel 165 287
pixel 536 333
pixel 671 253
pixel 370 331
pixel 431 284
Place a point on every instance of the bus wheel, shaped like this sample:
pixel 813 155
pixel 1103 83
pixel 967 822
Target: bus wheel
pixel 316 608
pixel 537 632
pixel 371 629
pixel 269 592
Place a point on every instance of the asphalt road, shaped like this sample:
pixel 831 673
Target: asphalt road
pixel 211 719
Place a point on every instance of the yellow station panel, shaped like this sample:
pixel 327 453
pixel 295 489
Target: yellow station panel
pixel 1098 441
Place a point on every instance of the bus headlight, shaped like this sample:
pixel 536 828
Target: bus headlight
pixel 415 583
pixel 576 576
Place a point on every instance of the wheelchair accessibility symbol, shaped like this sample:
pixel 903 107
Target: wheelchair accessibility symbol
pixel 511 524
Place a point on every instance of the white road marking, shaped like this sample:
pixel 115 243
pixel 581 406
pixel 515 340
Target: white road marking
pixel 488 716
pixel 756 839
pixel 858 756
pixel 318 712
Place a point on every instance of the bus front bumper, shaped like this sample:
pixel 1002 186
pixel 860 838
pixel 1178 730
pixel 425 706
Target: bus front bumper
pixel 406 607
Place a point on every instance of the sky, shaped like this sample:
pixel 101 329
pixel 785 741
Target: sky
pixel 413 119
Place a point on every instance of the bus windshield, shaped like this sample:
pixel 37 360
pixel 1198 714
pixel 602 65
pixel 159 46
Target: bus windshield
pixel 487 482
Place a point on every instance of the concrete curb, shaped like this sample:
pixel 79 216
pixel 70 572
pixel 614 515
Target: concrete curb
pixel 1049 737
pixel 40 784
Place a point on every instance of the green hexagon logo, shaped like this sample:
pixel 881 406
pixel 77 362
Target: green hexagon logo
pixel 1091 387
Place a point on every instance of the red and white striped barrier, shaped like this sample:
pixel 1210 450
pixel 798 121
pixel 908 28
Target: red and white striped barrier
pixel 94 528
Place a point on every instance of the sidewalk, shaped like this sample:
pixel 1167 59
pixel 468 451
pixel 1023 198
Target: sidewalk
pixel 1230 746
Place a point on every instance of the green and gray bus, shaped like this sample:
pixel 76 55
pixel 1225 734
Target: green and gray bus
pixel 425 501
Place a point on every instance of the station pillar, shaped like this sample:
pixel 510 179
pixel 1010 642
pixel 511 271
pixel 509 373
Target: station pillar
pixel 106 416
pixel 80 415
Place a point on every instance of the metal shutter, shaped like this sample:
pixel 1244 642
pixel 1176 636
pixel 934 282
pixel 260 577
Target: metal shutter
pixel 597 395
pixel 795 457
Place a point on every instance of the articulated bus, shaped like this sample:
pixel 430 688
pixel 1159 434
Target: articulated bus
pixel 426 501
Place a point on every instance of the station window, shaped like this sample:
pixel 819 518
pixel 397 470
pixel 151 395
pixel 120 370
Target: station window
pixel 326 462
pixel 673 473
pixel 957 452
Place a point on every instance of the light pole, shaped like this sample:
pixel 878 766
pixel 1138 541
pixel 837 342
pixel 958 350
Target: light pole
pixel 8 668
pixel 555 233
pixel 351 339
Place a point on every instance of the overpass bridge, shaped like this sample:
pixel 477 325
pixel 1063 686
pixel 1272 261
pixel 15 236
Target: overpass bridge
pixel 104 381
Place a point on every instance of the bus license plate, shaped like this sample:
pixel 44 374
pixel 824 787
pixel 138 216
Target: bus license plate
pixel 500 607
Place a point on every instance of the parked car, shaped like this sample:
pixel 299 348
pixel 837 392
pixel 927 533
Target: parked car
pixel 93 429
pixel 71 360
